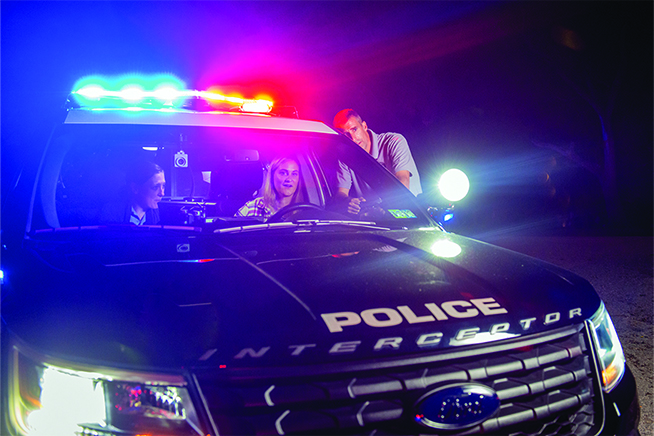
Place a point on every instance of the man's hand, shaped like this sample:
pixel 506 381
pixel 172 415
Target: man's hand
pixel 354 206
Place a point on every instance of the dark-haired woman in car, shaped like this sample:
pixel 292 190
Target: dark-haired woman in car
pixel 145 189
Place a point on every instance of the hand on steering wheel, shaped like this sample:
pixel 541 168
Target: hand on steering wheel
pixel 286 210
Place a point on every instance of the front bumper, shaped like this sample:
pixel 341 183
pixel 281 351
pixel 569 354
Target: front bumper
pixel 622 408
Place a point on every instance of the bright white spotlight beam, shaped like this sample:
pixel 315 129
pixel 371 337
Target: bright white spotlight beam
pixel 454 184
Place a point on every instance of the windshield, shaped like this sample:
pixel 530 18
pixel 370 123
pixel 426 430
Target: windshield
pixel 208 177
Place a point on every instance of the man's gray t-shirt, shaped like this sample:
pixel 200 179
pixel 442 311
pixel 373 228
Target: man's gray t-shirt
pixel 392 151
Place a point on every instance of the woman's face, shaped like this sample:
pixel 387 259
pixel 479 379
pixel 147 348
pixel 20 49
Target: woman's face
pixel 286 178
pixel 149 194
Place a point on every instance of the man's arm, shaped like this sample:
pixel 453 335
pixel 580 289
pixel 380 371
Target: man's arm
pixel 404 176
pixel 343 192
pixel 398 156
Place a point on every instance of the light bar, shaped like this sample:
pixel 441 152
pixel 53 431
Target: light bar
pixel 153 92
pixel 134 93
pixel 247 105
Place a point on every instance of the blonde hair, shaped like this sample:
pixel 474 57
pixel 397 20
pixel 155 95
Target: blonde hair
pixel 268 188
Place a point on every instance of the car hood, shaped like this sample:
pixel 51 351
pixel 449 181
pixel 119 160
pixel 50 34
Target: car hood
pixel 280 297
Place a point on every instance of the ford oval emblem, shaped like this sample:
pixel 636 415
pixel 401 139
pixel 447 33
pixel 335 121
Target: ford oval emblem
pixel 457 407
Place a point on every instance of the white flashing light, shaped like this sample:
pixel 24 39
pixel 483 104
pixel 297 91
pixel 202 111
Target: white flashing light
pixel 132 94
pixel 66 400
pixel 257 106
pixel 214 96
pixel 166 93
pixel 454 184
pixel 91 91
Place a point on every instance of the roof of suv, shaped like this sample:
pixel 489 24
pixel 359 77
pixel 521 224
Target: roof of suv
pixel 194 118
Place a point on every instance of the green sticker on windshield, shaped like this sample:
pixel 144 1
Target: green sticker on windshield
pixel 402 213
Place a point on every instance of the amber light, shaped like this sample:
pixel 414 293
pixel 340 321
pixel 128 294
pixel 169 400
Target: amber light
pixel 609 374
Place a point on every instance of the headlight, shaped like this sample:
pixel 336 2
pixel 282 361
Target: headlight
pixel 609 349
pixel 48 397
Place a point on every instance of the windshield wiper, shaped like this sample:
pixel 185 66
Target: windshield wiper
pixel 305 224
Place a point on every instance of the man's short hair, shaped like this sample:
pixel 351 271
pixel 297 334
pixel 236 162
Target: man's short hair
pixel 341 117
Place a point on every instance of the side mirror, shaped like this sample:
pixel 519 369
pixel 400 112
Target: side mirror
pixel 441 215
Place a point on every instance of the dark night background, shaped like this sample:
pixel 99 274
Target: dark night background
pixel 500 90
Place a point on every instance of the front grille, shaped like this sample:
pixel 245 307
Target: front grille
pixel 545 385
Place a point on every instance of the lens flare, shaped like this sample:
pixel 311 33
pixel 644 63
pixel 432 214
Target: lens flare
pixel 454 184
pixel 445 248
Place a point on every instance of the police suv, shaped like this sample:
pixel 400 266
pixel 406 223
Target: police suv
pixel 314 321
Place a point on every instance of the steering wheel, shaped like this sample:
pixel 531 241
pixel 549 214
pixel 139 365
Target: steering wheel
pixel 286 210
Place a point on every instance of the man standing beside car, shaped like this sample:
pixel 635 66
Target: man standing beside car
pixel 389 149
